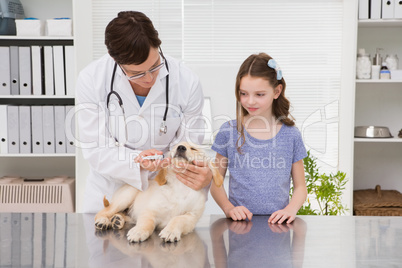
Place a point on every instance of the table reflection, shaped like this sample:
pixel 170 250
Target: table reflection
pixel 110 248
pixel 258 244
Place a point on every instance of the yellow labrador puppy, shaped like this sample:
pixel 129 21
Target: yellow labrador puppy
pixel 167 204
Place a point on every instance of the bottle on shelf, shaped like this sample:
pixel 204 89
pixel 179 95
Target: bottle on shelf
pixel 385 73
pixel 363 65
pixel 392 62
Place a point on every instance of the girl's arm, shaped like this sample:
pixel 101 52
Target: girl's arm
pixel 221 198
pixel 298 198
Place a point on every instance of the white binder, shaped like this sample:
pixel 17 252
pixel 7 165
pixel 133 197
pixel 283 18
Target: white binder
pixel 70 128
pixel 48 129
pixel 48 62
pixel 398 10
pixel 3 130
pixel 38 239
pixel 69 58
pixel 388 9
pixel 15 86
pixel 13 129
pixel 375 9
pixel 58 67
pixel 60 136
pixel 37 129
pixel 36 52
pixel 25 83
pixel 6 237
pixel 363 9
pixel 27 240
pixel 60 248
pixel 48 237
pixel 5 74
pixel 25 129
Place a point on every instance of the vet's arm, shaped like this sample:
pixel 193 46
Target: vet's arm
pixel 298 198
pixel 221 198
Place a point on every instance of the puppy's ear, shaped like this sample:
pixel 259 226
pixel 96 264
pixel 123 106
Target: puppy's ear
pixel 105 202
pixel 216 175
pixel 161 177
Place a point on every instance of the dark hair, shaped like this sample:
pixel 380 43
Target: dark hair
pixel 256 65
pixel 129 37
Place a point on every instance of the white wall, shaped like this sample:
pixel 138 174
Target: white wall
pixel 44 9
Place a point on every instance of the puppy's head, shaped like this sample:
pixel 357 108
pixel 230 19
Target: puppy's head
pixel 186 153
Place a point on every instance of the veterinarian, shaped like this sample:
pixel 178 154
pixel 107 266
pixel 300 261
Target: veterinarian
pixel 135 101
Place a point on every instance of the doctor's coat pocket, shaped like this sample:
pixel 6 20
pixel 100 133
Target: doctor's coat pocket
pixel 173 131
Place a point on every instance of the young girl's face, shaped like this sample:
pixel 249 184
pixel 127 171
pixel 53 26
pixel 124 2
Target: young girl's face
pixel 257 95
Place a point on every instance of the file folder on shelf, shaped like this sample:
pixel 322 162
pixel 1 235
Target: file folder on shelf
pixel 3 130
pixel 60 136
pixel 388 9
pixel 398 10
pixel 36 52
pixel 48 129
pixel 70 129
pixel 25 129
pixel 48 68
pixel 5 74
pixel 13 129
pixel 58 67
pixel 25 83
pixel 15 85
pixel 26 240
pixel 363 9
pixel 70 70
pixel 37 129
pixel 375 9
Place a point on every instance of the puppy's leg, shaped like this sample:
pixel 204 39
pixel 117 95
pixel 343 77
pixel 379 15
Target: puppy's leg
pixel 143 229
pixel 122 199
pixel 180 225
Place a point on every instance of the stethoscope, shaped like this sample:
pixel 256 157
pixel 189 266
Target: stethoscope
pixel 163 126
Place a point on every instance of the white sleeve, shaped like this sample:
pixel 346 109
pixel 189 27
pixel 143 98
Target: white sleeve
pixel 97 145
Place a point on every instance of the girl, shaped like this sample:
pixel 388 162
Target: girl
pixel 261 148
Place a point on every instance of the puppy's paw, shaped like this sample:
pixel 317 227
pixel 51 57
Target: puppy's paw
pixel 137 235
pixel 169 234
pixel 102 223
pixel 117 221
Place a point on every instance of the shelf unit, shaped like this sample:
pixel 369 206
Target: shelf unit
pixel 39 165
pixel 379 103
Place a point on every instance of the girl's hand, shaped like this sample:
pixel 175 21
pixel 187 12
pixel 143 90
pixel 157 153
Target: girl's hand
pixel 240 227
pixel 239 213
pixel 281 215
pixel 150 164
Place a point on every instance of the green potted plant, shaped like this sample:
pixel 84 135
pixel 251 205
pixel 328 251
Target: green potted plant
pixel 325 189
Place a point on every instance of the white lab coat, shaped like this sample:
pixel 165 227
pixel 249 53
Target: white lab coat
pixel 112 166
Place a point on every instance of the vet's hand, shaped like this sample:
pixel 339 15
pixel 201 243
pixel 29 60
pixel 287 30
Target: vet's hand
pixel 195 176
pixel 151 165
pixel 239 213
pixel 282 215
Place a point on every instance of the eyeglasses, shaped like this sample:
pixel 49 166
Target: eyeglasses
pixel 152 70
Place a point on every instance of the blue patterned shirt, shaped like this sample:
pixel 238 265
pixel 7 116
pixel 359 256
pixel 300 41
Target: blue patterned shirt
pixel 260 176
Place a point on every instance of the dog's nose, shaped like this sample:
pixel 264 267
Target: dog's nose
pixel 181 148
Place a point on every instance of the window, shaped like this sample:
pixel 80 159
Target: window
pixel 213 37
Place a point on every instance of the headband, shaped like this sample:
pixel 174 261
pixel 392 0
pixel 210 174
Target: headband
pixel 272 64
